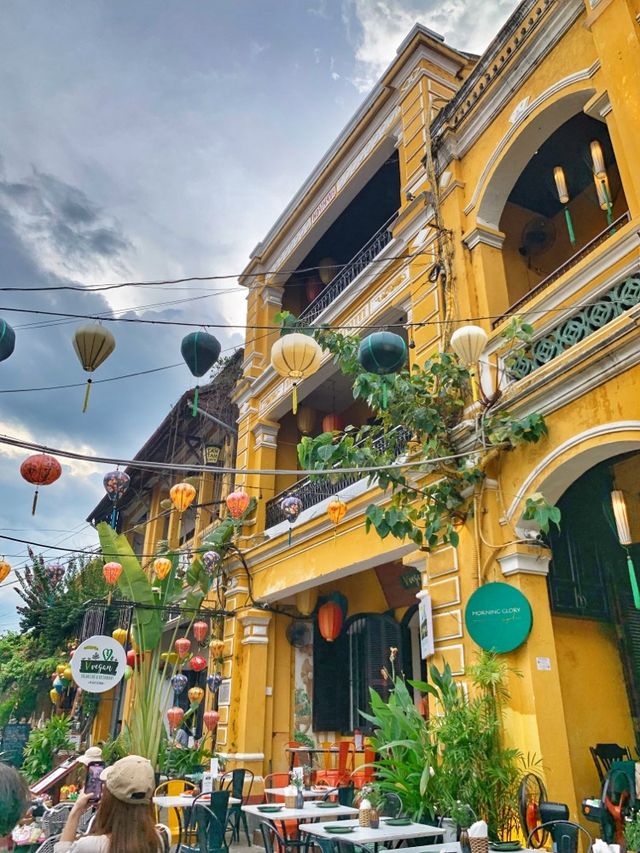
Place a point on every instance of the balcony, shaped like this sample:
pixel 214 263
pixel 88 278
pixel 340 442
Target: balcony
pixel 312 491
pixel 351 271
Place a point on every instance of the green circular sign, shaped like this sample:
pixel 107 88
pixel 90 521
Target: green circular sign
pixel 498 617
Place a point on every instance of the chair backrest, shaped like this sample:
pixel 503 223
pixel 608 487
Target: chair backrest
pixel 275 780
pixel 328 762
pixel 565 834
pixel 165 835
pixel 48 844
pixel 217 802
pixel 54 819
pixel 391 805
pixel 346 794
pixel 207 827
pixel 234 781
pixel 604 754
pixel 271 838
pixel 346 756
pixel 172 787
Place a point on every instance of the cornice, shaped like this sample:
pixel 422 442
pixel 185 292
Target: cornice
pixel 483 234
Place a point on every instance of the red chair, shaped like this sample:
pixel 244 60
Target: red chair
pixel 346 760
pixel 275 780
pixel 364 775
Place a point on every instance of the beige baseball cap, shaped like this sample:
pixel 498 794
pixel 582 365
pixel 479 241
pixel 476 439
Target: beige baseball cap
pixel 130 780
pixel 94 753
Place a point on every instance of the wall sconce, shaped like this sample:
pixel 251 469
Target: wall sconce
pixel 621 517
pixel 563 195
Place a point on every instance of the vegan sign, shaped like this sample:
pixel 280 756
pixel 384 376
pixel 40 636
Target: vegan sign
pixel 498 617
pixel 98 664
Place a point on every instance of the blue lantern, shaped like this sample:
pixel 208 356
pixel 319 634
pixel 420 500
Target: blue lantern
pixel 214 681
pixel 179 682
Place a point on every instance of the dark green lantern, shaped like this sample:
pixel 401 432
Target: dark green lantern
pixel 7 339
pixel 382 353
pixel 200 350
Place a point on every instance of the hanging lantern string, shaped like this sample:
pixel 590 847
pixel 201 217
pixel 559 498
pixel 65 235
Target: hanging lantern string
pixel 87 394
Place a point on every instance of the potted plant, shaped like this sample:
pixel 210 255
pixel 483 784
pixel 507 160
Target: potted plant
pixel 632 832
pixel 372 798
pixel 44 745
pixel 297 781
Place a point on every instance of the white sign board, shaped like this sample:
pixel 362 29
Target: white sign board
pixel 426 627
pixel 98 664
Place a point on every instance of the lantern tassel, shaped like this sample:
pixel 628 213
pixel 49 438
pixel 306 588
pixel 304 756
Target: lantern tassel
pixel 87 394
pixel 35 503
pixel 385 398
pixel 114 515
pixel 634 582
pixel 194 408
pixel 569 221
pixel 294 400
pixel 289 535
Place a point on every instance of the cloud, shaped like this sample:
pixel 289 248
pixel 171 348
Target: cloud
pixel 377 27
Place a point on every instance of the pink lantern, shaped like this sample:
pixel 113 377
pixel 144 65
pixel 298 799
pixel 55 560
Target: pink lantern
pixel 112 572
pixel 200 631
pixel 174 717
pixel 237 503
pixel 182 647
pixel 210 719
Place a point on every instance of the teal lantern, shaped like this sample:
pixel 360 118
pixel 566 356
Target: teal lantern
pixel 200 350
pixel 382 353
pixel 7 340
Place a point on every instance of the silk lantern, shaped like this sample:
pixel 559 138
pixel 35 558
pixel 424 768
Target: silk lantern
pixel 182 646
pixel 40 470
pixel 237 503
pixel 112 572
pixel 161 567
pixel 330 619
pixel 174 717
pixel 54 696
pixel 333 422
pixel 211 719
pixel 115 484
pixel 623 530
pixel 134 658
pixel 179 682
pixel 57 684
pixel 306 419
pixel 210 560
pixel 382 353
pixel 7 340
pixel 67 674
pixel 200 630
pixel 128 672
pixel 198 663
pixel 60 668
pixel 200 350
pixel 120 636
pixel 468 342
pixel 196 695
pixel 336 510
pixel 182 495
pixel 93 344
pixel 214 681
pixel 5 568
pixel 295 356
pixel 216 647
pixel 327 269
pixel 291 507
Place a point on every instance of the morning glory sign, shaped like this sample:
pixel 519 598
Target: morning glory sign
pixel 498 617
pixel 98 664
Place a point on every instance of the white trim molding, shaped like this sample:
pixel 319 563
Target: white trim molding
pixel 525 560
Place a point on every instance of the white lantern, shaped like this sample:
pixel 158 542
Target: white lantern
pixel 468 342
pixel 621 516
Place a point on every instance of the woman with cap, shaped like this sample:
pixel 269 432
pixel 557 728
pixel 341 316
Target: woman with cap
pixel 124 821
pixel 14 798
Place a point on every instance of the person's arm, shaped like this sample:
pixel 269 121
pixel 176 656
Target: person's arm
pixel 71 826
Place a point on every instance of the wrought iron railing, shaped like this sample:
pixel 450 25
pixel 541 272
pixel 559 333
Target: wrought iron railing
pixel 350 271
pixel 311 491
pixel 618 299
pixel 600 238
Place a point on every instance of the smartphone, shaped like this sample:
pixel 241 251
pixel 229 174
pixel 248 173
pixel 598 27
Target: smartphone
pixel 93 783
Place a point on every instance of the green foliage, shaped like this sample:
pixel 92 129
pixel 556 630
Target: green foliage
pixel 457 756
pixel 178 762
pixel 540 511
pixel 44 745
pixel 114 749
pixel 632 832
pixel 24 671
pixel 519 337
pixel 303 739
pixel 416 412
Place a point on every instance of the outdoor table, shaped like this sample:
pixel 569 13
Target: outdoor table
pixel 182 801
pixel 307 793
pixel 310 811
pixel 312 750
pixel 366 835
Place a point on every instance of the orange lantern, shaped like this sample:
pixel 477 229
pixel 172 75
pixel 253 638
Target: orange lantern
pixel 330 619
pixel 200 630
pixel 174 716
pixel 182 646
pixel 196 695
pixel 162 567
pixel 120 636
pixel 336 510
pixel 112 572
pixel 5 568
pixel 217 647
pixel 40 470
pixel 182 495
pixel 237 503
pixel 210 719
pixel 333 422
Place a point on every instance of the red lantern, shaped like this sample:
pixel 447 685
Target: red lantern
pixel 237 503
pixel 200 631
pixel 210 719
pixel 174 716
pixel 182 647
pixel 333 422
pixel 198 663
pixel 133 659
pixel 112 572
pixel 40 470
pixel 330 619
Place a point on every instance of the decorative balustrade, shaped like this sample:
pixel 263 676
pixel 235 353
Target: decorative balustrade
pixel 351 270
pixel 312 491
pixel 568 333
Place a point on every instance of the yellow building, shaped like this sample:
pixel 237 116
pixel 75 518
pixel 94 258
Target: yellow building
pixel 557 87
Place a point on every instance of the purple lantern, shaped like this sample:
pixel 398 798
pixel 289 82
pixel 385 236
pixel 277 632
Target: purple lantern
pixel 291 508
pixel 179 682
pixel 214 681
pixel 210 560
pixel 115 484
pixel 55 573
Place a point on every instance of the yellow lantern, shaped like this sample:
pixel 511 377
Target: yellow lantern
pixel 306 601
pixel 53 695
pixel 169 657
pixel 5 568
pixel 61 668
pixel 162 567
pixel 67 673
pixel 93 344
pixel 306 419
pixel 295 356
pixel 182 495
pixel 120 636
pixel 217 647
pixel 336 510
pixel 196 695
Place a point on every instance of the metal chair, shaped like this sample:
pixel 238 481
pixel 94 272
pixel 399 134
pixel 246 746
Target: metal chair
pixel 391 805
pixel 604 754
pixel 235 783
pixel 207 825
pixel 173 787
pixel 274 842
pixel 275 780
pixel 48 844
pixel 565 834
pixel 54 819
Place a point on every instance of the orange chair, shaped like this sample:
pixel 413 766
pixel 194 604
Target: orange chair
pixel 364 775
pixel 275 780
pixel 342 773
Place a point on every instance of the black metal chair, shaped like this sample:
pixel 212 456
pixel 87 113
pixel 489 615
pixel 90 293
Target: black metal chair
pixel 565 835
pixel 235 783
pixel 391 806
pixel 206 830
pixel 274 842
pixel 604 754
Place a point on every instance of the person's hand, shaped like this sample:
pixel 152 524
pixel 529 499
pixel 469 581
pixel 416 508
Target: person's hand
pixel 83 802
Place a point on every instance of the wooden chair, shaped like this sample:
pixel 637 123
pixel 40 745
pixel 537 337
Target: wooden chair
pixel 604 754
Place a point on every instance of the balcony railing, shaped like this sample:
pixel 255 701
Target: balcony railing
pixel 312 491
pixel 600 238
pixel 343 279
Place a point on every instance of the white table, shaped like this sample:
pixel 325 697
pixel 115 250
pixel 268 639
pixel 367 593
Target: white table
pixel 307 793
pixel 309 812
pixel 366 835
pixel 184 801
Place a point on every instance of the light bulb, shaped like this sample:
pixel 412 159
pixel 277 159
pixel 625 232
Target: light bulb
pixel 561 184
pixel 597 159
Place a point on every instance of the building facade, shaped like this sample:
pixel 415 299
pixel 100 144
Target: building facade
pixel 449 143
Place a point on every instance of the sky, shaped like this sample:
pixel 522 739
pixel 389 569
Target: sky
pixel 144 141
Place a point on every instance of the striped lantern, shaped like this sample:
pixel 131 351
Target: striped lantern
pixel 295 356
pixel 330 620
pixel 112 572
pixel 162 567
pixel 182 495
